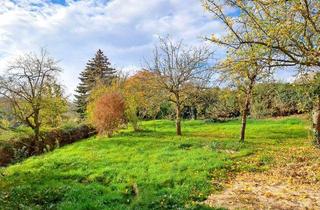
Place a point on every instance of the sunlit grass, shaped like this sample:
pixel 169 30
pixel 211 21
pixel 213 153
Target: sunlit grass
pixel 152 169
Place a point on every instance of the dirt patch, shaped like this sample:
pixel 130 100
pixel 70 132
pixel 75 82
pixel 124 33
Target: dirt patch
pixel 291 186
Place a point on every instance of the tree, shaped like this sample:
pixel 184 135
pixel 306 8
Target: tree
pixel 243 69
pixel 108 113
pixel 176 66
pixel 311 85
pixel 97 69
pixel 289 29
pixel 226 105
pixel 55 105
pixel 25 84
pixel 143 97
pixel 316 91
pixel 279 99
pixel 197 99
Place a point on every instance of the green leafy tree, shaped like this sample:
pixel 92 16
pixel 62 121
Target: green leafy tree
pixel 55 106
pixel 97 69
pixel 243 69
pixel 226 105
pixel 280 99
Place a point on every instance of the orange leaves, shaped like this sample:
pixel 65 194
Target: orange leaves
pixel 140 84
pixel 108 113
pixel 143 93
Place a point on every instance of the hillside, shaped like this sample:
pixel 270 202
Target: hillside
pixel 154 169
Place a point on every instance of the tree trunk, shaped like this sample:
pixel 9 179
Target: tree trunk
pixel 178 120
pixel 134 123
pixel 194 113
pixel 317 123
pixel 245 112
pixel 109 134
pixel 178 114
pixel 36 130
pixel 244 120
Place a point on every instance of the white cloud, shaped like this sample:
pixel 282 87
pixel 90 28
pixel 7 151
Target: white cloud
pixel 125 30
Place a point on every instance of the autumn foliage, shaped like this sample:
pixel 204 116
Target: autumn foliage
pixel 143 97
pixel 108 113
pixel 142 91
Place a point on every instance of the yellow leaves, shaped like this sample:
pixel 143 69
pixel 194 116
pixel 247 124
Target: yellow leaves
pixel 206 5
pixel 142 92
pixel 214 38
pixel 229 21
pixel 268 194
pixel 297 7
pixel 290 26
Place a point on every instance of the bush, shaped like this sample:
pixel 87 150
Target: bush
pixel 108 113
pixel 226 107
pixel 14 150
pixel 280 99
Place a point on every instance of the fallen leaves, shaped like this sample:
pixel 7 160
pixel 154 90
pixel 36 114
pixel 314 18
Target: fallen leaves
pixel 293 183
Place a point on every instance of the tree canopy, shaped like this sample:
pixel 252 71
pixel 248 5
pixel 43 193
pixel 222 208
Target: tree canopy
pixel 97 69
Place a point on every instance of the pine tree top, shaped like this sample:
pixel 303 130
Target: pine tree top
pixel 97 68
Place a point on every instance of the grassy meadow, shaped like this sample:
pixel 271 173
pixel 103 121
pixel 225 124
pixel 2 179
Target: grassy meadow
pixel 151 169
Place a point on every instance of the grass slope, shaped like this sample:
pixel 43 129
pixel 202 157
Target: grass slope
pixel 153 169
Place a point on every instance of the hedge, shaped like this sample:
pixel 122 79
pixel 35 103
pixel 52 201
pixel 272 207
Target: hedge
pixel 14 150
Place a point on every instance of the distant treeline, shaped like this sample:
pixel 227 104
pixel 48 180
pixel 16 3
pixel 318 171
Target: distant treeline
pixel 269 100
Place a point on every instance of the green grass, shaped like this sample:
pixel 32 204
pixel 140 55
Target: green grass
pixel 153 169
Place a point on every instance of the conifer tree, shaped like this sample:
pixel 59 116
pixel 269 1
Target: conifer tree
pixel 97 69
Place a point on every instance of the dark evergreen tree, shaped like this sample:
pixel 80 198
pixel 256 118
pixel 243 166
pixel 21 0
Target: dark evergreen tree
pixel 97 69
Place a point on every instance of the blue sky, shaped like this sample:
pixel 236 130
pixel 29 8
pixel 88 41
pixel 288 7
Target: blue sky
pixel 63 2
pixel 72 30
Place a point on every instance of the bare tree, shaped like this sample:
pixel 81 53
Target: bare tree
pixel 177 67
pixel 24 85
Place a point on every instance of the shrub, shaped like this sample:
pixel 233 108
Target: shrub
pixel 108 113
pixel 227 106
pixel 14 150
pixel 4 124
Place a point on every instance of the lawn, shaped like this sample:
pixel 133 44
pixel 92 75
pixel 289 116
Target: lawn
pixel 152 169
